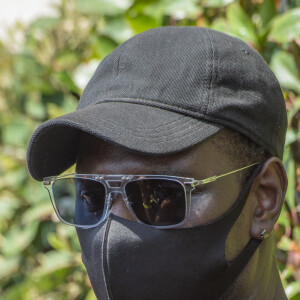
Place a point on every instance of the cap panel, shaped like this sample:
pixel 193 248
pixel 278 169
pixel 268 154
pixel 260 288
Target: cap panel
pixel 169 65
pixel 246 94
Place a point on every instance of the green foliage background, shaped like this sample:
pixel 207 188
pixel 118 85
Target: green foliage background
pixel 42 77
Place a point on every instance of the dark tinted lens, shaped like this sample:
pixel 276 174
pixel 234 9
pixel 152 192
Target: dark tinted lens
pixel 79 201
pixel 157 202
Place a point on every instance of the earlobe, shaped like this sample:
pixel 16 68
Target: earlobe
pixel 268 194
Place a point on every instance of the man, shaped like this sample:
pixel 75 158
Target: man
pixel 178 140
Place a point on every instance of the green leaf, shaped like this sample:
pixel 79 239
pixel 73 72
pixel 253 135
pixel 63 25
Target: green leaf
pixel 178 9
pixel 18 239
pixel 286 27
pixel 66 60
pixel 16 291
pixel 9 265
pixel 267 11
pixel 90 295
pixel 56 242
pixel 240 24
pixel 292 136
pixel 13 179
pixel 84 72
pixel 284 66
pixel 39 211
pixel 8 205
pixel 296 234
pixel 293 110
pixel 292 289
pixel 296 297
pixel 141 22
pixel 284 243
pixel 53 261
pixel 34 107
pixel 216 3
pixel 118 29
pixel 283 220
pixel 221 24
pixel 44 23
pixel 102 46
pixel 65 81
pixel 290 168
pixel 104 7
pixel 16 133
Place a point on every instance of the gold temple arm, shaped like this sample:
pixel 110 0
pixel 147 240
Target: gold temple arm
pixel 215 177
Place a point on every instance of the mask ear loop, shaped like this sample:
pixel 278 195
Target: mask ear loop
pixel 244 256
pixel 233 213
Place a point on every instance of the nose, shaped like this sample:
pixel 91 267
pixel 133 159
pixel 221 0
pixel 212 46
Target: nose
pixel 120 209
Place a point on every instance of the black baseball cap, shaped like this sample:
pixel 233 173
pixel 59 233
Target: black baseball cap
pixel 163 91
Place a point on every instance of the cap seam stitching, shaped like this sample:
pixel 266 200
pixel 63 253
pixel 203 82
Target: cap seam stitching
pixel 142 136
pixel 150 102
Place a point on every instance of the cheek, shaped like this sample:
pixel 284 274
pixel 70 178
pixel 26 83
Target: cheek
pixel 211 204
pixel 203 209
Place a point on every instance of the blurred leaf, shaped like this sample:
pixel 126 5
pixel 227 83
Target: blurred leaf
pixel 118 29
pixel 240 24
pixel 18 239
pixel 296 234
pixel 8 205
pixel 291 136
pixel 289 164
pixel 267 11
pixel 53 261
pixel 104 7
pixel 286 27
pixel 284 243
pixel 141 22
pixel 293 110
pixel 16 133
pixel 65 60
pixel 39 211
pixel 296 297
pixel 56 242
pixel 178 9
pixel 283 220
pixel 44 24
pixel 220 24
pixel 65 81
pixel 14 178
pixel 34 107
pixel 16 291
pixel 90 295
pixel 292 289
pixel 9 265
pixel 284 66
pixel 216 3
pixel 102 46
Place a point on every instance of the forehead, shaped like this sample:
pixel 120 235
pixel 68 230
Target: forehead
pixel 98 156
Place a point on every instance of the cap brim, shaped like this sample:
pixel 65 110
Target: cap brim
pixel 141 128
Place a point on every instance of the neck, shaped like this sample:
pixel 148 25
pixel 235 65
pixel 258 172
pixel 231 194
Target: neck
pixel 260 279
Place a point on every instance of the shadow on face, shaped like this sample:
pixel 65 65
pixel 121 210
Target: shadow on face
pixel 97 156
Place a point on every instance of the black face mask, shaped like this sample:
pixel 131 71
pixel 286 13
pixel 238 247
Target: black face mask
pixel 129 260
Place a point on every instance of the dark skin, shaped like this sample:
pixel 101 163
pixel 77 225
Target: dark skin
pixel 260 279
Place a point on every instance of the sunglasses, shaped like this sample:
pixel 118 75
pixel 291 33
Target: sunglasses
pixel 85 200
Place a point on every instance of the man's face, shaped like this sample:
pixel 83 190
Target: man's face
pixel 202 161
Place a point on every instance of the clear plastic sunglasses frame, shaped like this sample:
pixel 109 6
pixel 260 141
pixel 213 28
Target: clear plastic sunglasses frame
pixel 116 184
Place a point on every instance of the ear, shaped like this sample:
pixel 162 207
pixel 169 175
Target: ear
pixel 268 192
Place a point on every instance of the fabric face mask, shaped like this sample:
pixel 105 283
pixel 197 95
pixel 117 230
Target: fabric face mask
pixel 127 260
